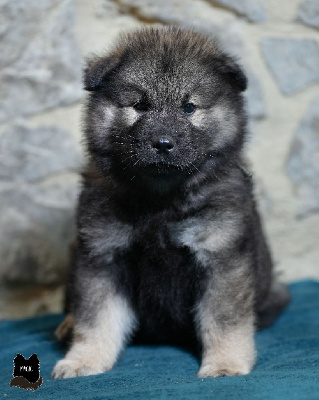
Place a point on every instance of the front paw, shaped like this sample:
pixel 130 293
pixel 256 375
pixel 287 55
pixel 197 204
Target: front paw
pixel 72 368
pixel 216 370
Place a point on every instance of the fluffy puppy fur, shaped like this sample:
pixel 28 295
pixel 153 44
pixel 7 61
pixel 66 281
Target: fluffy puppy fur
pixel 170 246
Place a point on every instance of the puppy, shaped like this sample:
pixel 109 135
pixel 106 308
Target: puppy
pixel 170 246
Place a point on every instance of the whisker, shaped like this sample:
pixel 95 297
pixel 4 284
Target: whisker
pixel 127 158
pixel 128 165
pixel 194 166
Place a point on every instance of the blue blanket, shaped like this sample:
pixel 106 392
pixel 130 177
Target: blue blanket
pixel 287 368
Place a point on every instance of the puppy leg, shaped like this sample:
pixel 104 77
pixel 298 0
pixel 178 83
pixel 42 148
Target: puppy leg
pixel 97 342
pixel 228 352
pixel 226 326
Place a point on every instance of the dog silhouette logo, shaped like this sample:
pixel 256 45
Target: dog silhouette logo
pixel 26 372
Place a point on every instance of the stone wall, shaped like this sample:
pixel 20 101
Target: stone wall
pixel 43 44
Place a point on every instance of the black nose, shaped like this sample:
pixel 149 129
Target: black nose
pixel 163 145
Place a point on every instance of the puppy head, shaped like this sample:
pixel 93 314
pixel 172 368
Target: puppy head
pixel 162 105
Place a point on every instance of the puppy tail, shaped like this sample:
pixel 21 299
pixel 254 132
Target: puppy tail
pixel 64 331
pixel 277 300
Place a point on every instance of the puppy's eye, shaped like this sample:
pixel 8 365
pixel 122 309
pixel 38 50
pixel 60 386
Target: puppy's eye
pixel 189 108
pixel 141 106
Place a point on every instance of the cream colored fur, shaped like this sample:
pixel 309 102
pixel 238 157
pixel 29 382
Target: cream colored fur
pixel 95 348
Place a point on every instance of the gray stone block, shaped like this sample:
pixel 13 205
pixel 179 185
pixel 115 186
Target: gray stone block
pixel 293 62
pixel 254 10
pixel 31 154
pixel 37 203
pixel 36 228
pixel 303 160
pixel 308 13
pixel 167 11
pixel 40 63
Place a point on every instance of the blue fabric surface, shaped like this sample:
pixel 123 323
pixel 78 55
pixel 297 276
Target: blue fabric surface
pixel 287 368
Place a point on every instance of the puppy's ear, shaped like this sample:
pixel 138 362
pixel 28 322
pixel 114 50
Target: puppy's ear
pixel 97 69
pixel 235 75
pixel 230 71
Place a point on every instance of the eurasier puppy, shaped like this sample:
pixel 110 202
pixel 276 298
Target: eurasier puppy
pixel 170 246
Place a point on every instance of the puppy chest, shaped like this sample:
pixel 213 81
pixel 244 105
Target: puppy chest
pixel 166 281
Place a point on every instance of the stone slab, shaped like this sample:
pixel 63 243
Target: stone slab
pixel 293 62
